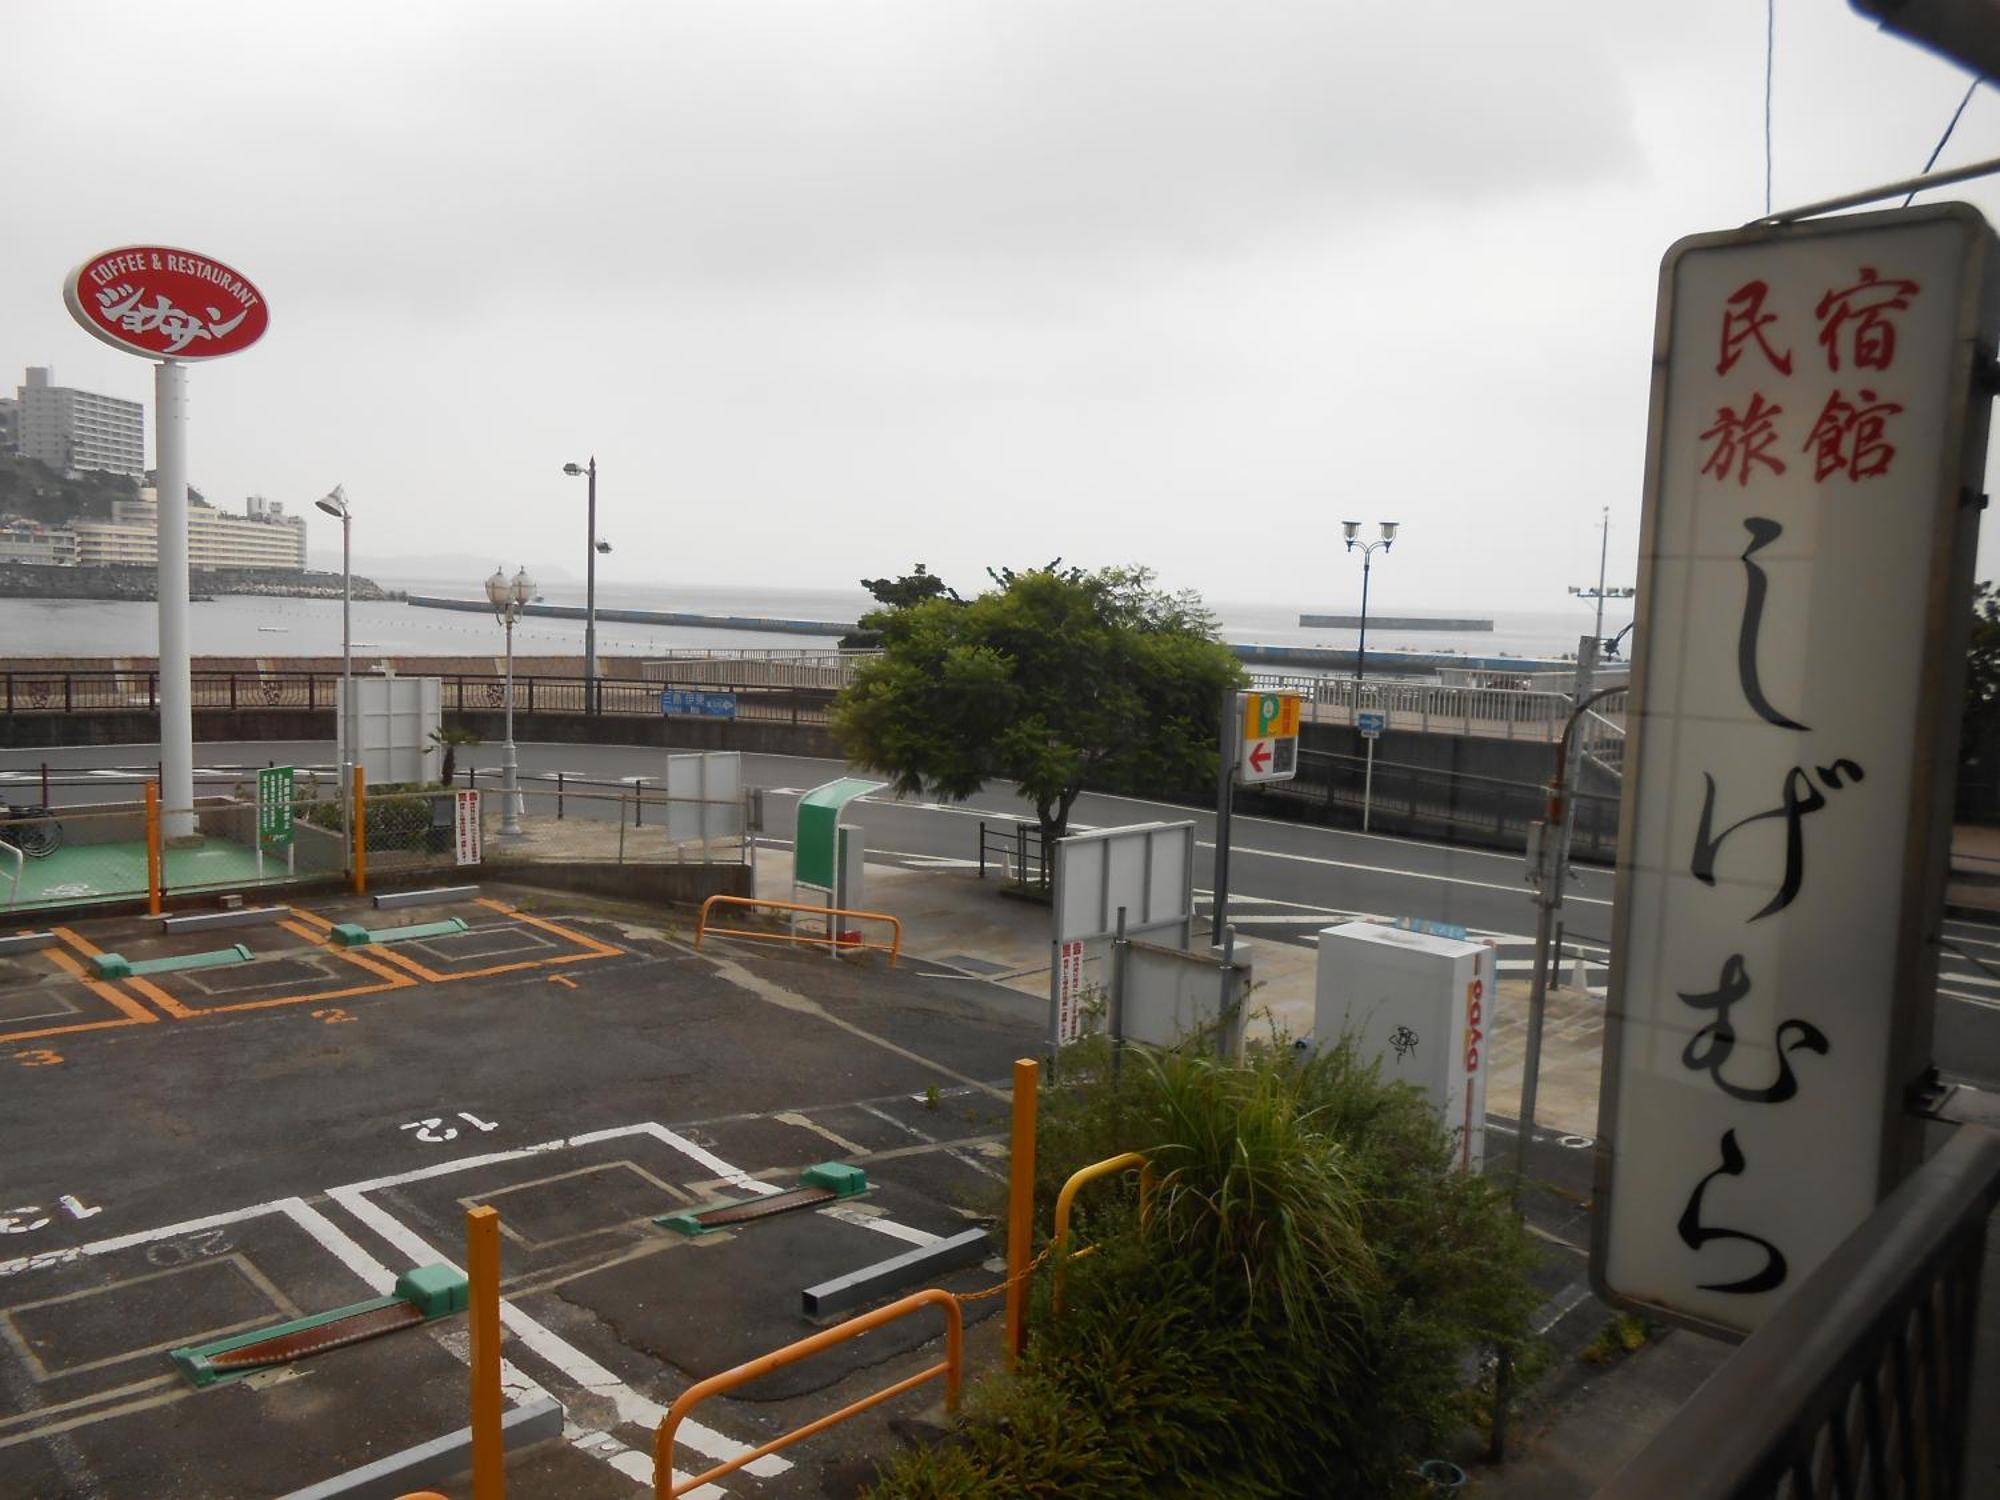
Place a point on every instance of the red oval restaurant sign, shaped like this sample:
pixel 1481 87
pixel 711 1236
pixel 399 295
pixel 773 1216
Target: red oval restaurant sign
pixel 166 304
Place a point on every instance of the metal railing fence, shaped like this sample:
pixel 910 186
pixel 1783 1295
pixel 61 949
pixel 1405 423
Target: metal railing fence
pixel 1429 707
pixel 1424 802
pixel 1016 850
pixel 1861 1383
pixel 461 692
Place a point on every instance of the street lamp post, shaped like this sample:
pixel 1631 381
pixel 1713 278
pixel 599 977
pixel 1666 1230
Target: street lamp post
pixel 334 503
pixel 590 587
pixel 1351 531
pixel 507 598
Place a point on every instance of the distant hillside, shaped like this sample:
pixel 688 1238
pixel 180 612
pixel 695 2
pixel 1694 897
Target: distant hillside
pixel 31 488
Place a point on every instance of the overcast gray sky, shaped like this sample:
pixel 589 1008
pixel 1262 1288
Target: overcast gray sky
pixel 829 287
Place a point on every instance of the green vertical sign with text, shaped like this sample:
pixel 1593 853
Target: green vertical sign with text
pixel 274 807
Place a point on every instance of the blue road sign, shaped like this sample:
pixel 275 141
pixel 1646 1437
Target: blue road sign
pixel 693 704
pixel 1371 724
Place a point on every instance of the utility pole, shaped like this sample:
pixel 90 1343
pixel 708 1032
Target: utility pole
pixel 1601 592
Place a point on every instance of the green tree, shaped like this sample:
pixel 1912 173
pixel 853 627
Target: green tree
pixel 911 588
pixel 1055 679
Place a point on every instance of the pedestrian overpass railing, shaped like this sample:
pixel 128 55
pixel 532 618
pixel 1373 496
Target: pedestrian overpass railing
pixel 1436 708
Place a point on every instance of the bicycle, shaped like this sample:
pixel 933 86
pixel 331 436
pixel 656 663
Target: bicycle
pixel 35 831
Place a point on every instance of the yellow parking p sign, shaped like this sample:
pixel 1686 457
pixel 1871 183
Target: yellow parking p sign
pixel 1270 716
pixel 1270 745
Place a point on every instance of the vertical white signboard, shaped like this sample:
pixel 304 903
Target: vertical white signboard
pixel 1813 461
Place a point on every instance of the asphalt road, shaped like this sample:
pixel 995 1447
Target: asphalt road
pixel 1286 880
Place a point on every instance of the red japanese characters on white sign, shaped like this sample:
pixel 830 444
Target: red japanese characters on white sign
pixel 1069 993
pixel 1801 599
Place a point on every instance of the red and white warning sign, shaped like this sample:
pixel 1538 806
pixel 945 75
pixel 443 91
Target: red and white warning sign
pixel 466 824
pixel 1069 993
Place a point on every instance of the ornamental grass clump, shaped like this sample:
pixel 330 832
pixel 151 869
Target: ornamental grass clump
pixel 1292 1318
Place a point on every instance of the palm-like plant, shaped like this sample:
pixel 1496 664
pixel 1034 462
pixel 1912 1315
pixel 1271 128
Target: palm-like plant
pixel 448 740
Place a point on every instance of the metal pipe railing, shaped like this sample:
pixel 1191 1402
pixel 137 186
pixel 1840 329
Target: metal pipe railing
pixel 1061 1255
pixel 893 947
pixel 951 1370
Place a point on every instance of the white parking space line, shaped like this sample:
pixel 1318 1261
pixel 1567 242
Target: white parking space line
pixel 1988 1002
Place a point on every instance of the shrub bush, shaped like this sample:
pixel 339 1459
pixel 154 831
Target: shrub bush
pixel 1296 1316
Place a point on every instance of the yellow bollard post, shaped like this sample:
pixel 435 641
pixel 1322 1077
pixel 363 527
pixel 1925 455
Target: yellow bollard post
pixel 1021 1206
pixel 482 1307
pixel 153 848
pixel 360 804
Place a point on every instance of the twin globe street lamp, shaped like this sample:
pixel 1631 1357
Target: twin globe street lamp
pixel 1351 531
pixel 508 596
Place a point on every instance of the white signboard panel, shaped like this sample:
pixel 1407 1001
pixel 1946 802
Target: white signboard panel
pixel 1269 750
pixel 1419 1006
pixel 1148 869
pixel 393 718
pixel 1804 571
pixel 705 792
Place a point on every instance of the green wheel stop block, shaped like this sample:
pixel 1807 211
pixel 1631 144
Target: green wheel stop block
pixel 117 966
pixel 434 1291
pixel 837 1177
pixel 685 1223
pixel 354 935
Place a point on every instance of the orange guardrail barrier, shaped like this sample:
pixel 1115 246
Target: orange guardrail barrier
pixel 1124 1162
pixel 952 1370
pixel 893 947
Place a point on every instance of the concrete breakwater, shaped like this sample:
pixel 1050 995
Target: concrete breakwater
pixel 649 616
pixel 1395 622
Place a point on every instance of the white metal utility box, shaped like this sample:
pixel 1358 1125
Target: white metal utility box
pixel 1422 1007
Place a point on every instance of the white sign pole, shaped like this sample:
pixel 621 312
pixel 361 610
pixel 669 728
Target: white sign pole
pixel 1368 784
pixel 176 687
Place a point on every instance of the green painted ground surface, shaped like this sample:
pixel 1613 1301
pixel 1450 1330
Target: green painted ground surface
pixel 104 872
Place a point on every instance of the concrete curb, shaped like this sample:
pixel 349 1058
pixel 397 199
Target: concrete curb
pixel 438 1460
pixel 27 942
pixel 202 921
pixel 435 894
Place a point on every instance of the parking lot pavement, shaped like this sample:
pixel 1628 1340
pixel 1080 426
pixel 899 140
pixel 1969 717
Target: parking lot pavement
pixel 196 1152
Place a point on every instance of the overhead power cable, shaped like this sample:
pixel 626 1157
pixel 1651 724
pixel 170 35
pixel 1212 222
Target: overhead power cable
pixel 1937 150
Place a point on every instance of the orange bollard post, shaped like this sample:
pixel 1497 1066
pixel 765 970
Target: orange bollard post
pixel 153 848
pixel 360 804
pixel 482 1307
pixel 1021 1206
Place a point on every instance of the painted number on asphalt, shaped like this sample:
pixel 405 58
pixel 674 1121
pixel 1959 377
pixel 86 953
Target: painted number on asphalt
pixel 38 1057
pixel 333 1015
pixel 436 1132
pixel 197 1246
pixel 29 1217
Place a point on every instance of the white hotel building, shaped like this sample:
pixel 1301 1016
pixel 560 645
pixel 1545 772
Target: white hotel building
pixel 263 537
pixel 71 429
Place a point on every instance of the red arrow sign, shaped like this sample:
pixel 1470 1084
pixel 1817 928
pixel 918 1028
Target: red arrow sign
pixel 1260 755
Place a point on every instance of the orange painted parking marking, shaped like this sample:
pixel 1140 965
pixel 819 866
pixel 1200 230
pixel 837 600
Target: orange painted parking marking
pixel 391 980
pixel 602 950
pixel 133 1013
pixel 144 987
pixel 564 980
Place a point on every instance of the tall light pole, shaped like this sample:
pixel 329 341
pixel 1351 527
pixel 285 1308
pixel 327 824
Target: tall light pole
pixel 590 587
pixel 334 503
pixel 507 598
pixel 1351 531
